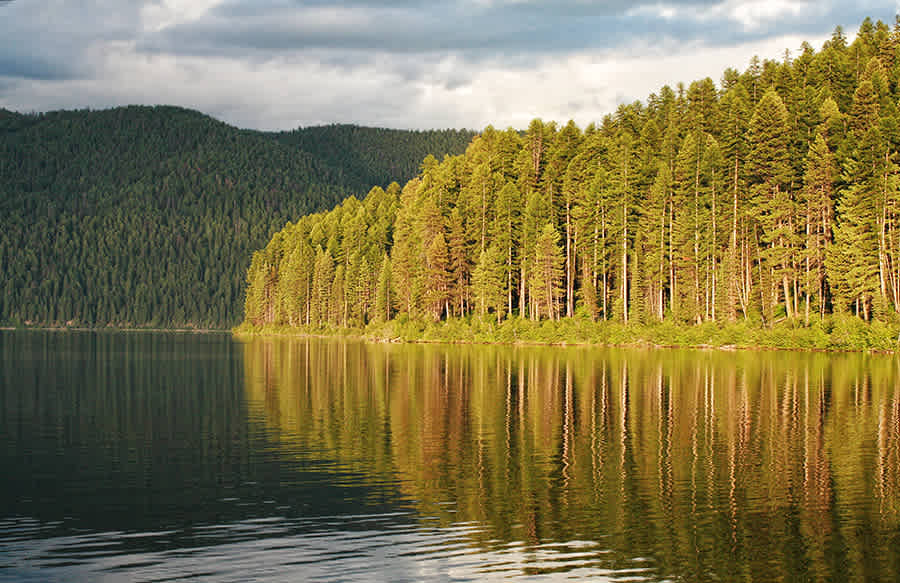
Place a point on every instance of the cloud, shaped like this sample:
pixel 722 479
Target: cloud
pixel 473 29
pixel 517 32
pixel 394 90
pixel 275 64
pixel 750 15
pixel 51 39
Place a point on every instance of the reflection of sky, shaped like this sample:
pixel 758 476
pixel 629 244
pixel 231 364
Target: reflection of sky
pixel 149 432
pixel 404 63
pixel 379 548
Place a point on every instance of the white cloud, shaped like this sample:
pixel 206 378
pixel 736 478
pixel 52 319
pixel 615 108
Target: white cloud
pixel 156 16
pixel 750 15
pixel 285 92
pixel 755 14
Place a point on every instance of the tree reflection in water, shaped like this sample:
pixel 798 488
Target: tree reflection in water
pixel 759 465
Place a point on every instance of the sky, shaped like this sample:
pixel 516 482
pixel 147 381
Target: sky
pixel 280 64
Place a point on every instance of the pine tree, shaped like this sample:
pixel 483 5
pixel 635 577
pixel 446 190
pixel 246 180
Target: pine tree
pixel 407 254
pixel 686 229
pixel 854 261
pixel 437 280
pixel 487 282
pixel 383 295
pixel 506 234
pixel 588 289
pixel 590 216
pixel 362 292
pixel 681 208
pixel 770 177
pixel 337 311
pixel 322 281
pixel 622 184
pixel 256 301
pixel 292 294
pixel 715 286
pixel 818 190
pixel 560 172
pixel 738 260
pixel 864 113
pixel 536 211
pixel 459 263
pixel 547 273
pixel 653 240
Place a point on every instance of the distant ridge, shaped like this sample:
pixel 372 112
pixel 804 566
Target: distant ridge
pixel 375 156
pixel 146 216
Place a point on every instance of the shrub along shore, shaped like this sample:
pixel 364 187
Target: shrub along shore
pixel 832 333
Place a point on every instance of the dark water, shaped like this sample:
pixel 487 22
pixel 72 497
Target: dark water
pixel 160 457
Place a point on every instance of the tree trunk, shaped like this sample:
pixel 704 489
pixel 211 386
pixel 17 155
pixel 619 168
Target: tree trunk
pixel 713 251
pixel 522 304
pixel 697 303
pixel 673 291
pixel 625 250
pixel 570 273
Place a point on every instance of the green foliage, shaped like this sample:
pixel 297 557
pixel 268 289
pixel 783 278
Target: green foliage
pixel 843 332
pixel 488 282
pixel 375 156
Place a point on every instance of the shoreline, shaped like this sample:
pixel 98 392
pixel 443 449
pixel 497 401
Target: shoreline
pixel 113 329
pixel 725 337
pixel 562 344
pixel 844 335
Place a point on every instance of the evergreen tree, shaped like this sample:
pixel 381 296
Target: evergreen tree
pixel 689 218
pixel 383 306
pixel 770 177
pixel 653 242
pixel 818 188
pixel 459 263
pixel 437 284
pixel 322 282
pixel 547 274
pixel 507 233
pixel 487 282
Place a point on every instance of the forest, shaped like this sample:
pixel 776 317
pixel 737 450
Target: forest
pixel 147 216
pixel 771 198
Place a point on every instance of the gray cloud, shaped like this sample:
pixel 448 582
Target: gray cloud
pixel 471 28
pixel 402 63
pixel 53 39
pixel 34 67
pixel 349 35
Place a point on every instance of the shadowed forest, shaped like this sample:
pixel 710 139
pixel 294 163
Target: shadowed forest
pixel 147 216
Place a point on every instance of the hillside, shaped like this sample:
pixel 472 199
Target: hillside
pixel 147 216
pixel 771 197
pixel 375 156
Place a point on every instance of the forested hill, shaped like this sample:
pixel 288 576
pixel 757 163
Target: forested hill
pixel 375 156
pixel 147 216
pixel 771 196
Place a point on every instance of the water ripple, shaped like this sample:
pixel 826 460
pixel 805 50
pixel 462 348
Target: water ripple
pixel 346 548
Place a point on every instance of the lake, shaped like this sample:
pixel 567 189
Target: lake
pixel 161 457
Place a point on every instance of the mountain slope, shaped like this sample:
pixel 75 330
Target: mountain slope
pixel 375 156
pixel 144 216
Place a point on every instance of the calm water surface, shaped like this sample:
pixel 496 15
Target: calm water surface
pixel 161 457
